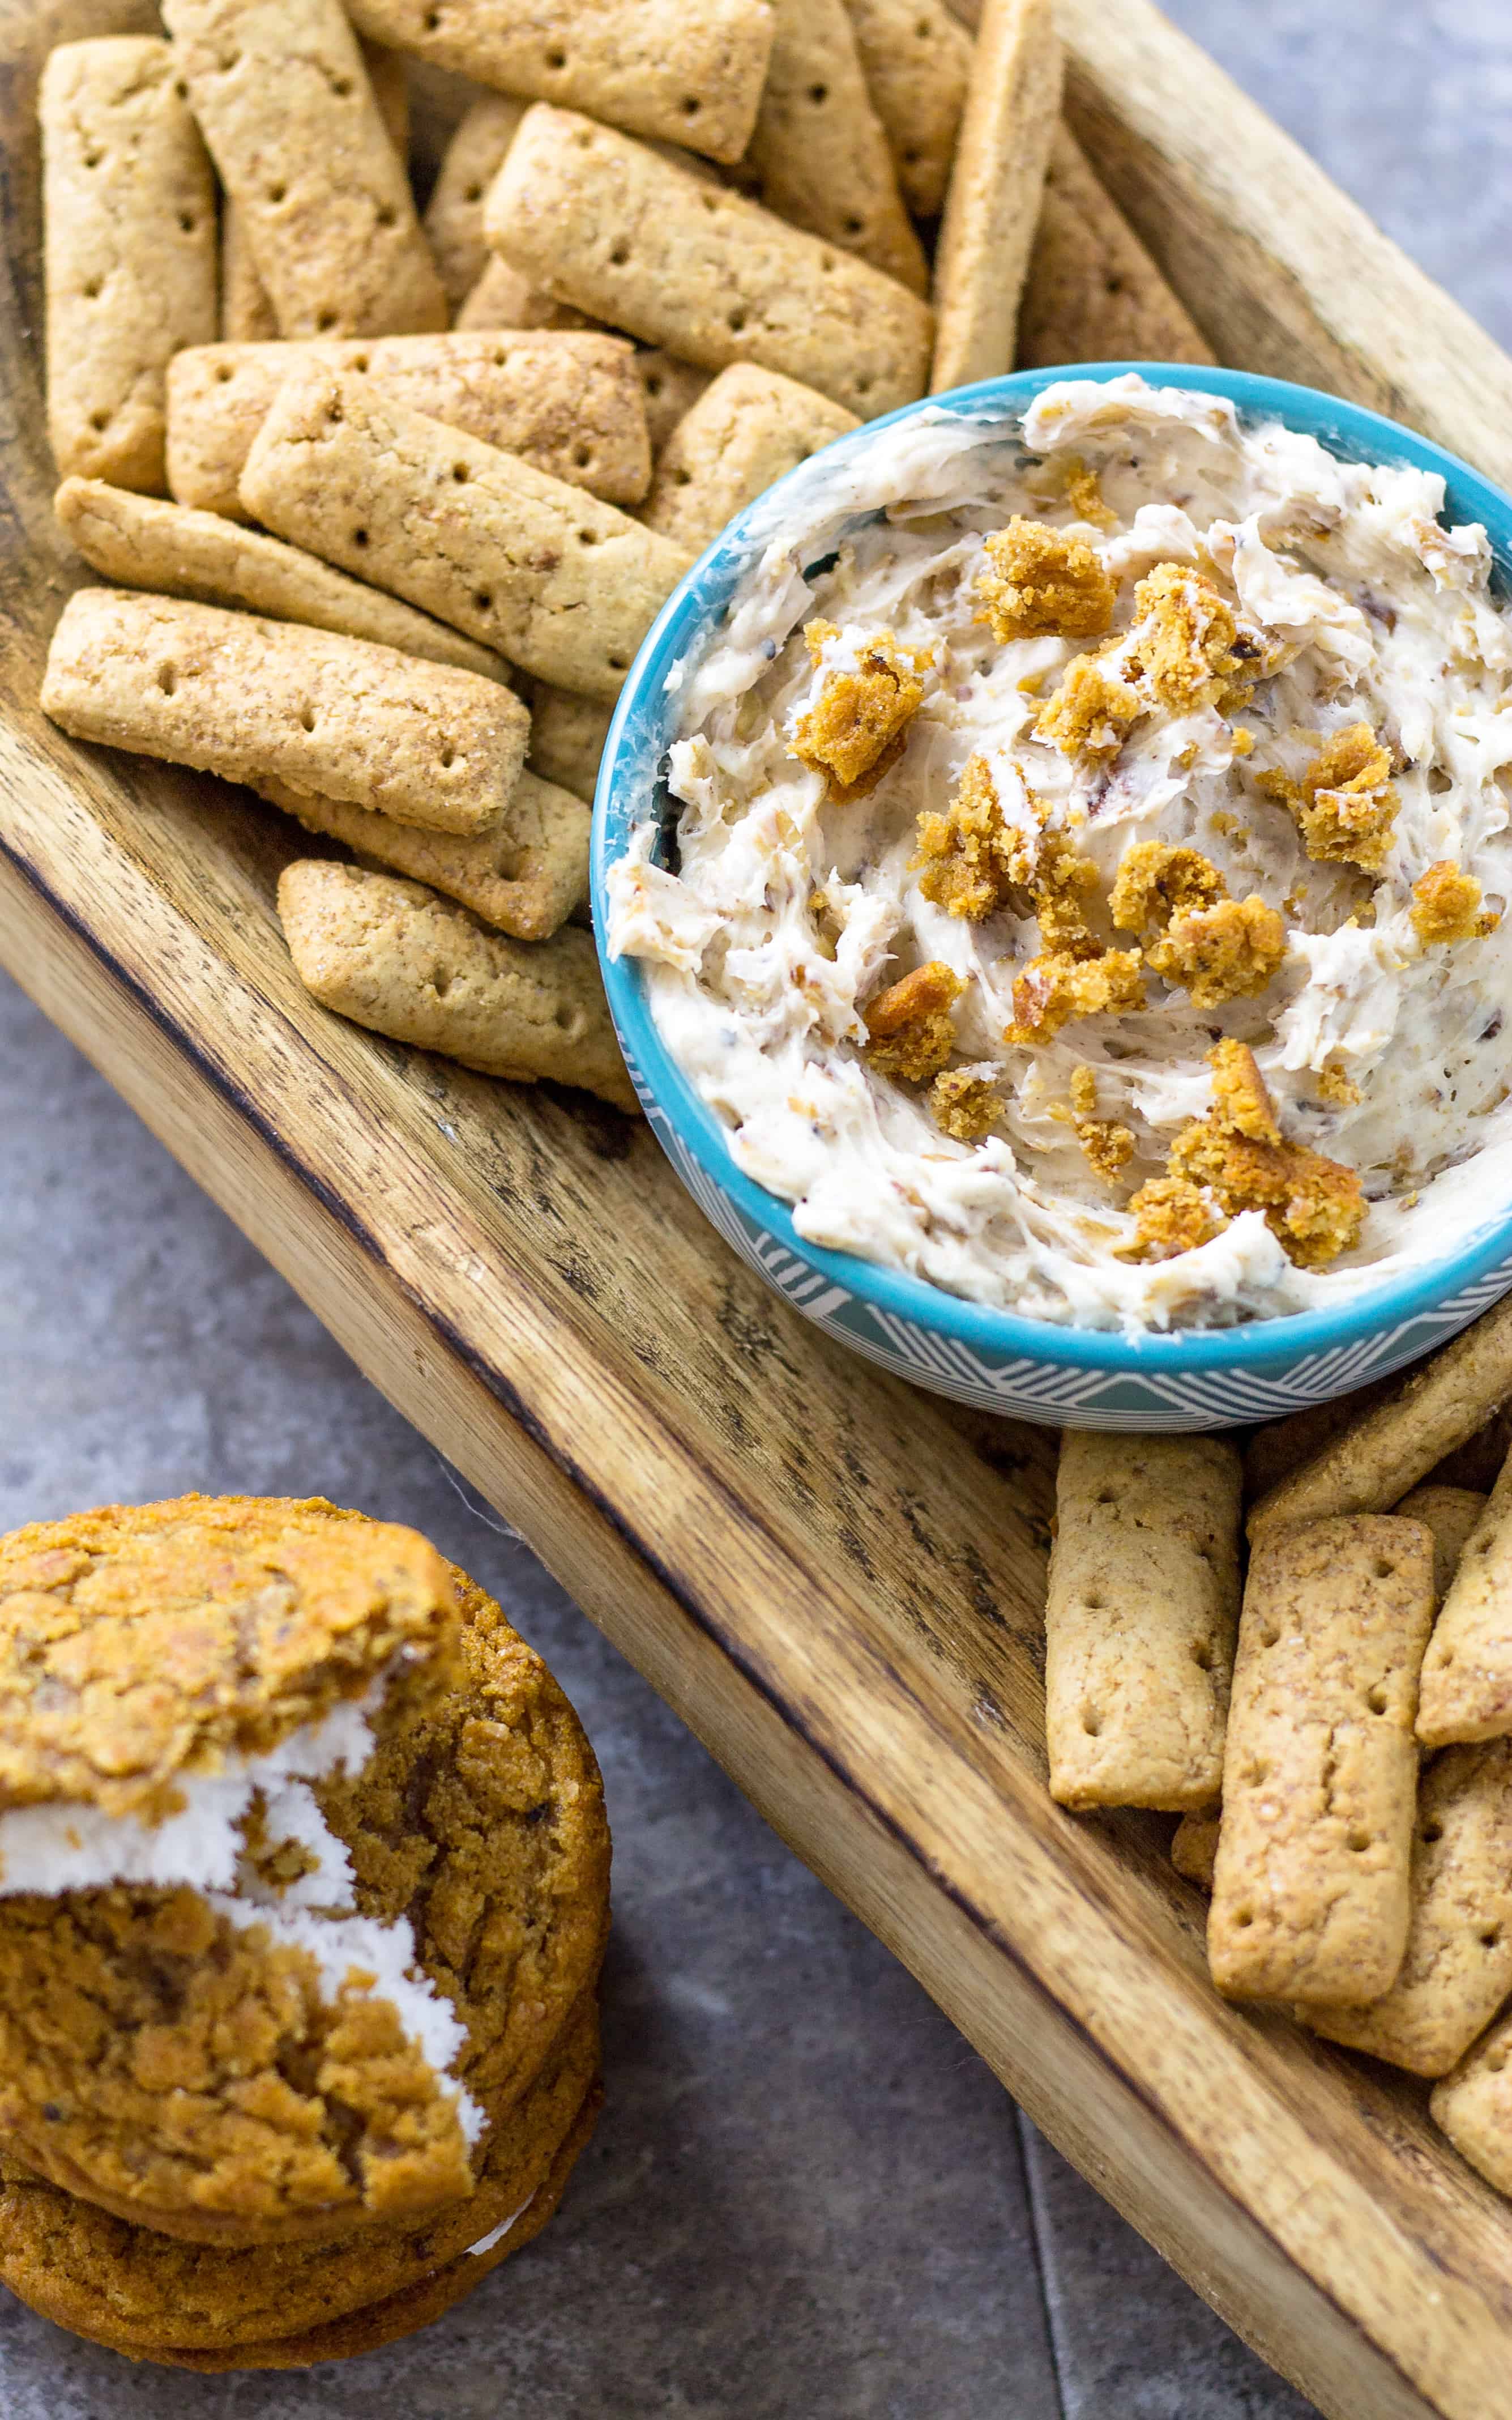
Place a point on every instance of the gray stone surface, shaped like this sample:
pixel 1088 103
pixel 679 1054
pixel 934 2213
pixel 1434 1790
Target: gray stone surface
pixel 806 2197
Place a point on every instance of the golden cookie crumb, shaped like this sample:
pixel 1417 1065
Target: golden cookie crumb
pixel 1344 804
pixel 972 858
pixel 1156 881
pixel 1084 493
pixel 1055 986
pixel 1109 1148
pixel 1182 643
pixel 1171 1216
pixel 910 1031
pixel 1241 1100
pixel 1244 741
pixel 1091 711
pixel 856 728
pixel 1314 1206
pixel 1066 880
pixel 1333 1085
pixel 1043 580
pixel 964 1106
pixel 1446 906
pixel 1230 951
pixel 1083 1091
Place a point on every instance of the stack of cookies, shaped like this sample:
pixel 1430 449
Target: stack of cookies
pixel 1335 1725
pixel 387 504
pixel 304 1896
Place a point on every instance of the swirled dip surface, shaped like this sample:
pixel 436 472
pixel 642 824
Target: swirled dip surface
pixel 1090 864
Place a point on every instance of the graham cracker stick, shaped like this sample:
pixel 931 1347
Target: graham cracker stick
pixel 453 216
pixel 1373 1462
pixel 396 957
pixel 1194 1848
pixel 1310 1898
pixel 1467 1673
pixel 670 388
pixel 993 206
pixel 916 61
pixel 1474 2106
pixel 1139 1620
pixel 247 316
pixel 564 585
pixel 141 542
pixel 570 405
pixel 526 876
pixel 1092 292
pixel 502 298
pixel 1449 1514
pixel 746 430
pixel 605 223
pixel 567 736
pixel 1457 1967
pixel 689 71
pixel 129 209
pixel 819 154
pixel 253 700
pixel 1283 1445
pixel 288 111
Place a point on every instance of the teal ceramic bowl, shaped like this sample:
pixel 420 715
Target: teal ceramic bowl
pixel 991 1359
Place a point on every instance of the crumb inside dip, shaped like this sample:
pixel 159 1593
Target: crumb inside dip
pixel 1091 861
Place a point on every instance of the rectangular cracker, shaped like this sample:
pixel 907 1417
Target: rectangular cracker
pixel 670 388
pixel 1141 1603
pixel 1458 1968
pixel 526 876
pixel 1474 2106
pixel 747 429
pixel 562 584
pixel 819 155
pixel 1373 1460
pixel 1092 292
pixel 453 215
pixel 375 949
pixel 129 212
pixel 502 298
pixel 1467 1673
pixel 1450 1516
pixel 571 405
pixel 993 207
pixel 247 316
pixel 916 61
pixel 288 111
pixel 567 736
pixel 1311 1898
pixel 1194 1848
pixel 606 224
pixel 689 71
pixel 143 542
pixel 252 700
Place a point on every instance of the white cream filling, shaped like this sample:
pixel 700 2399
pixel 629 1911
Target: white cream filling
pixel 497 2234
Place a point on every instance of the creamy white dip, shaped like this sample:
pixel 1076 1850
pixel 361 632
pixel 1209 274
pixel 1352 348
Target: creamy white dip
pixel 1386 619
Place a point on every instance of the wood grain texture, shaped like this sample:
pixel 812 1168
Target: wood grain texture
pixel 837 1581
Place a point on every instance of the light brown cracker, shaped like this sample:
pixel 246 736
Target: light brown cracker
pixel 605 223
pixel 144 542
pixel 565 583
pixel 1311 1888
pixel 567 736
pixel 128 209
pixel 1194 1848
pixel 819 155
pixel 1373 1460
pixel 249 699
pixel 1458 1968
pixel 689 71
pixel 1092 292
pixel 1141 1603
pixel 1449 1514
pixel 747 429
pixel 502 298
pixel 395 957
pixel 917 60
pixel 526 876
pixel 1474 2106
pixel 1467 1673
pixel 670 387
pixel 570 405
pixel 453 215
pixel 288 111
pixel 993 206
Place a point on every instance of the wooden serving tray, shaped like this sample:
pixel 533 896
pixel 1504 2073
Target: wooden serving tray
pixel 837 1581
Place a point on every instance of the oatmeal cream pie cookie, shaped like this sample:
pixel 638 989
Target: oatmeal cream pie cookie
pixel 302 1867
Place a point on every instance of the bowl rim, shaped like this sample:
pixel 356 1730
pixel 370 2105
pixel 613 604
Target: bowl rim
pixel 1350 430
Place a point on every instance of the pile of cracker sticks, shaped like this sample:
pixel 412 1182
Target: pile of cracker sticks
pixel 1336 1731
pixel 432 477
